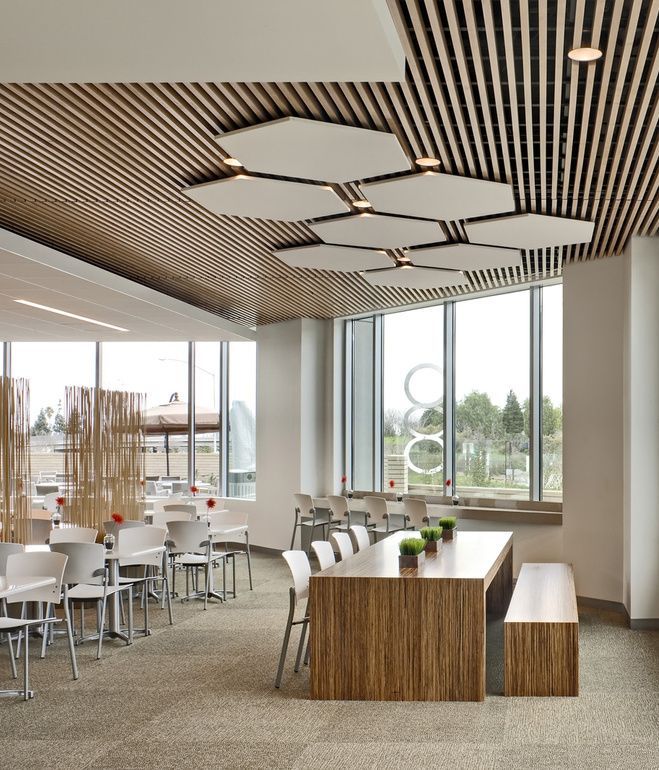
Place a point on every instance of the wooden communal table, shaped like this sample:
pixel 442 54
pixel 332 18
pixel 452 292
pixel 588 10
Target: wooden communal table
pixel 378 633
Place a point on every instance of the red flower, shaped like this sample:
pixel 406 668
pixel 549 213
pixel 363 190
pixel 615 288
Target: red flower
pixel 194 489
pixel 448 482
pixel 141 482
pixel 344 478
pixel 59 501
pixel 392 483
pixel 210 503
pixel 117 518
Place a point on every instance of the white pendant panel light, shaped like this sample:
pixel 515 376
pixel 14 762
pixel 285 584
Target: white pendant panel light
pixel 407 277
pixel 530 231
pixel 465 256
pixel 344 259
pixel 259 198
pixel 378 231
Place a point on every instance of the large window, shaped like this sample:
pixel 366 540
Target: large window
pixel 207 416
pixel 242 420
pixel 468 390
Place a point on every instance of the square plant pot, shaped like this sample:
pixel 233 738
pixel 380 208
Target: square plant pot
pixel 447 535
pixel 432 546
pixel 411 562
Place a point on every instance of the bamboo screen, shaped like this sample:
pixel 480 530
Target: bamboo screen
pixel 104 454
pixel 15 499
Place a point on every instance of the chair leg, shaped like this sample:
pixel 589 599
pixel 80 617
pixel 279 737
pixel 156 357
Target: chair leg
pixel 300 646
pixel 26 674
pixel 207 583
pixel 69 631
pixel 249 561
pixel 284 646
pixel 145 590
pixel 10 644
pixel 130 614
pixel 44 639
pixel 306 654
pixel 101 626
pixel 165 587
pixel 294 529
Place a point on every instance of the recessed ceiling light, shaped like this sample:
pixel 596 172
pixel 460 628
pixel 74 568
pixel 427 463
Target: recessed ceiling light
pixel 233 162
pixel 584 54
pixel 70 315
pixel 361 204
pixel 427 162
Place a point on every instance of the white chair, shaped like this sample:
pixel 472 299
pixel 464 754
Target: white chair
pixel 72 535
pixel 5 550
pixel 49 503
pixel 354 517
pixel 344 544
pixel 441 511
pixel 377 508
pixel 304 507
pixel 190 547
pixel 361 537
pixel 47 489
pixel 162 518
pixel 112 527
pixel 7 626
pixel 324 553
pixel 133 544
pixel 41 564
pixel 416 512
pixel 231 527
pixel 340 511
pixel 298 563
pixel 189 508
pixel 87 579
pixel 39 531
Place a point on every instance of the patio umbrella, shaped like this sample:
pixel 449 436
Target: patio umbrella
pixel 172 418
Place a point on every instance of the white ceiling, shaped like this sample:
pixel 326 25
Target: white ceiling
pixel 530 231
pixel 415 278
pixel 345 259
pixel 465 256
pixel 440 196
pixel 313 149
pixel 260 198
pixel 378 231
pixel 36 273
pixel 193 41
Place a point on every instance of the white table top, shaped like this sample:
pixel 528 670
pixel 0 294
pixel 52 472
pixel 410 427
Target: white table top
pixel 114 554
pixel 21 584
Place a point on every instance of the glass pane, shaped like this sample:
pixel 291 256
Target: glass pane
pixel 242 420
pixel 492 349
pixel 50 367
pixel 413 400
pixel 363 428
pixel 160 370
pixel 552 385
pixel 207 408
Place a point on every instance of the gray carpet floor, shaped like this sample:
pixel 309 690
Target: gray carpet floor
pixel 200 694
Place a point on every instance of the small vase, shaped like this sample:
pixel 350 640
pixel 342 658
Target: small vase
pixel 447 535
pixel 108 541
pixel 349 494
pixel 399 497
pixel 432 546
pixel 408 561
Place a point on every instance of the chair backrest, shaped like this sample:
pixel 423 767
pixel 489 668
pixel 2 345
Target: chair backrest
pixel 47 489
pixel 179 486
pixel 86 562
pixel 111 527
pixel 37 564
pixel 72 535
pixel 162 518
pixel 39 531
pixel 219 519
pixel 324 553
pixel 5 550
pixel 376 506
pixel 298 563
pixel 190 508
pixel 344 544
pixel 170 478
pixel 187 536
pixel 49 501
pixel 417 512
pixel 338 505
pixel 304 504
pixel 134 539
pixel 361 536
pixel 150 488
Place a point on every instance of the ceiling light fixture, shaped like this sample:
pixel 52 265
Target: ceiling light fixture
pixel 70 315
pixel 427 162
pixel 361 204
pixel 233 162
pixel 406 267
pixel 585 54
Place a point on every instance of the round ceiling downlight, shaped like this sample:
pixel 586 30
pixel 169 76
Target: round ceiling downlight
pixel 585 54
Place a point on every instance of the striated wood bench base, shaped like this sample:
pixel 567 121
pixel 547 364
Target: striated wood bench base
pixel 541 633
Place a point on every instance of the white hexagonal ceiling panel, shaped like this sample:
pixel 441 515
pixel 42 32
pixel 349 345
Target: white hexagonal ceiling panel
pixel 530 231
pixel 344 259
pixel 249 196
pixel 439 196
pixel 465 256
pixel 378 232
pixel 312 149
pixel 415 278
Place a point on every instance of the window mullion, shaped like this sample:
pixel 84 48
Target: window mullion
pixel 449 391
pixel 378 448
pixel 224 420
pixel 535 417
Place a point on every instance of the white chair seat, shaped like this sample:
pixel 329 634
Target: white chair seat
pixel 230 530
pixel 9 624
pixel 86 592
pixel 383 528
pixel 196 559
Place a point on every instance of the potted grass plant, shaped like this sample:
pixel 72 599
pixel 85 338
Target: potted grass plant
pixel 411 552
pixel 448 524
pixel 432 536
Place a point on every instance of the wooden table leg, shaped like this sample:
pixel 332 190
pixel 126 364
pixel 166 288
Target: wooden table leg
pixel 500 589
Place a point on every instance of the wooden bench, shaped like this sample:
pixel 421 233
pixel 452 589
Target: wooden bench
pixel 541 633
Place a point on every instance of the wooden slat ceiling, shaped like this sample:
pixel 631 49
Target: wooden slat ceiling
pixel 96 170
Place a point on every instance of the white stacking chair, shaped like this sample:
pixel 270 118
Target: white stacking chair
pixel 86 579
pixel 189 508
pixel 72 535
pixel 361 536
pixel 162 518
pixel 39 531
pixel 9 625
pixel 344 544
pixel 43 564
pixel 416 512
pixel 5 550
pixel 190 548
pixel 111 527
pixel 231 527
pixel 377 508
pixel 304 507
pixel 340 512
pixel 441 511
pixel 298 563
pixel 49 503
pixel 324 553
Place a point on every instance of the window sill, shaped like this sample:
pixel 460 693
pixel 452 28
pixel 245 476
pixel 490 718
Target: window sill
pixel 551 518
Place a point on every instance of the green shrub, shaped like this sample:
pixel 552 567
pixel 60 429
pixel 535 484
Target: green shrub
pixel 448 522
pixel 411 546
pixel 431 533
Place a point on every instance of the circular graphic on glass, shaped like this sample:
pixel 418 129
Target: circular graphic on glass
pixel 422 422
pixel 425 455
pixel 428 381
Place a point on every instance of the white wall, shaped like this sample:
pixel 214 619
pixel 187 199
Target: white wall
pixel 593 332
pixel 642 431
